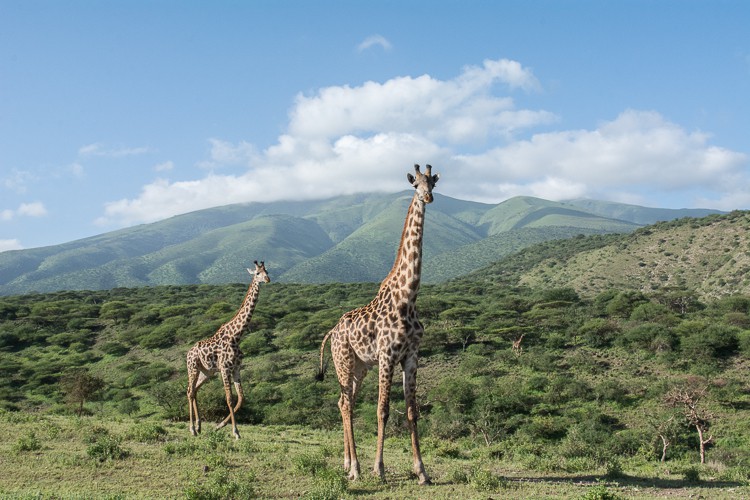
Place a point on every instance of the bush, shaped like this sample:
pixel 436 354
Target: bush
pixel 484 480
pixel 309 463
pixel 599 492
pixel 147 432
pixel 27 442
pixel 330 484
pixel 220 486
pixel 713 341
pixel 106 448
pixel 598 332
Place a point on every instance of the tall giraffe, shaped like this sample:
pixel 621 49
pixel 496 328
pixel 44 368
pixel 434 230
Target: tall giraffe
pixel 221 354
pixel 385 332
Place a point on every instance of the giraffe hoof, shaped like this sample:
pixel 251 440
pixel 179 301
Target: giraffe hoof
pixel 379 473
pixel 424 480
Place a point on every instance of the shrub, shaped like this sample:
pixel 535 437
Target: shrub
pixel 309 463
pixel 106 448
pixel 329 484
pixel 27 442
pixel 147 432
pixel 598 332
pixel 219 486
pixel 114 348
pixel 691 474
pixel 484 480
pixel 713 341
pixel 599 492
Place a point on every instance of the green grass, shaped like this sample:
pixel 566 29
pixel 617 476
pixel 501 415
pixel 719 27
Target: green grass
pixel 161 460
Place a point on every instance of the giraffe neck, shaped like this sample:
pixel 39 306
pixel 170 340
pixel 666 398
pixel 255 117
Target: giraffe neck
pixel 406 272
pixel 242 318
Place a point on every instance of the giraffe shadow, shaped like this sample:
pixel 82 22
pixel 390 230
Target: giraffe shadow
pixel 626 480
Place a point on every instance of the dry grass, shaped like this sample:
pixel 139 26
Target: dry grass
pixel 278 462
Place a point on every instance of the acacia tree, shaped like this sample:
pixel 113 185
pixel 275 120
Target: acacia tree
pixel 688 400
pixel 79 386
pixel 665 428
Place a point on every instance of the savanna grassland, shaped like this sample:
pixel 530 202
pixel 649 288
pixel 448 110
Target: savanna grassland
pixel 605 386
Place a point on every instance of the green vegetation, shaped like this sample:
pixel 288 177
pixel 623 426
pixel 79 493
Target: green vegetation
pixel 586 396
pixel 618 393
pixel 347 238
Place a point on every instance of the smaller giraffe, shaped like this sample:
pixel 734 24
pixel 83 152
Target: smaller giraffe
pixel 221 354
pixel 517 349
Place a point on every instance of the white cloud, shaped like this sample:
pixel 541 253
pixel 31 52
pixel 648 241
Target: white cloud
pixel 35 209
pixel 636 151
pixel 18 180
pixel 6 245
pixel 345 139
pixel 224 154
pixel 164 166
pixel 374 40
pixel 99 149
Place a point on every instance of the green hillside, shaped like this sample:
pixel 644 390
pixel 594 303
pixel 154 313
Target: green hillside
pixel 637 214
pixel 346 239
pixel 576 412
pixel 707 256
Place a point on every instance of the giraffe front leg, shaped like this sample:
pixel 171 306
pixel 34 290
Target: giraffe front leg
pixel 412 413
pixel 195 423
pixel 228 393
pixel 384 403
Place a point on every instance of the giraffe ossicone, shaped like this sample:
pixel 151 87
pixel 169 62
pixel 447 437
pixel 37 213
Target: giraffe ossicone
pixel 385 332
pixel 221 354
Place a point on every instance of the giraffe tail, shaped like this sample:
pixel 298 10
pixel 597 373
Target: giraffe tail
pixel 322 367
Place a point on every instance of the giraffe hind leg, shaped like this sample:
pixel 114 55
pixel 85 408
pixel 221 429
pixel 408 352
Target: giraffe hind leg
pixel 240 398
pixel 193 402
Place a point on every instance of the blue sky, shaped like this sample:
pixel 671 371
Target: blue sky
pixel 120 113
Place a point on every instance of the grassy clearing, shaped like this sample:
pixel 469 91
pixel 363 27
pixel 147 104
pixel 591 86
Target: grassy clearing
pixel 45 456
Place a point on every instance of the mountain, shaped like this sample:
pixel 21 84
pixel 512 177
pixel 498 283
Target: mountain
pixel 635 213
pixel 346 239
pixel 708 256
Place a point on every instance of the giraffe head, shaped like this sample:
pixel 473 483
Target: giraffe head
pixel 423 183
pixel 260 272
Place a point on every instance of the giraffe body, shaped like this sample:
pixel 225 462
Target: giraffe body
pixel 221 354
pixel 386 332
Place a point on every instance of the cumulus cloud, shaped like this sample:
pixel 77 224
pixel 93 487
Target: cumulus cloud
pixel 17 180
pixel 164 166
pixel 225 154
pixel 99 149
pixel 13 244
pixel 374 40
pixel 35 209
pixel 347 139
pixel 636 151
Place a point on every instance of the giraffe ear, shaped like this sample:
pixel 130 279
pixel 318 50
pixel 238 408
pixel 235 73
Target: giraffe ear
pixel 252 273
pixel 435 178
pixel 410 178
